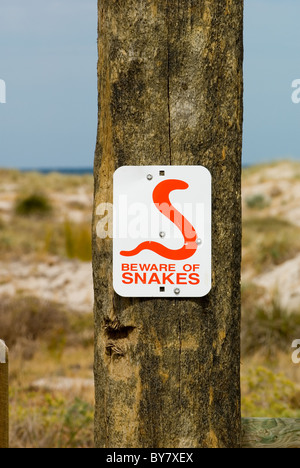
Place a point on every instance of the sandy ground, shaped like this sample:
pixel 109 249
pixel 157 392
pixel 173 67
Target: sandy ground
pixel 66 282
pixel 283 283
pixel 280 186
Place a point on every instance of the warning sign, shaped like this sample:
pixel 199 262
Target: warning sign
pixel 162 231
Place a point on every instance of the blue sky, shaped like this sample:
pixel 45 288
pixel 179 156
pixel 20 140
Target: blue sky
pixel 272 63
pixel 48 58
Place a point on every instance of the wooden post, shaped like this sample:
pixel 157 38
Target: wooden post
pixel 3 395
pixel 170 82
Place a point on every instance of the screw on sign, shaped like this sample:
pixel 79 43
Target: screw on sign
pixel 177 212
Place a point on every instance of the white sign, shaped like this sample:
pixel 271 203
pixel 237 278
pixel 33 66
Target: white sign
pixel 162 231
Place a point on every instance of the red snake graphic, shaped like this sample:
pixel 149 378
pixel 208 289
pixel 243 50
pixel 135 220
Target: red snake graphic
pixel 162 202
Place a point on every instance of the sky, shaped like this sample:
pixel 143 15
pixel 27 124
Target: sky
pixel 48 60
pixel 272 63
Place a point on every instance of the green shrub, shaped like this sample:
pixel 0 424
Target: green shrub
pixel 35 204
pixel 257 202
pixel 268 395
pixel 54 422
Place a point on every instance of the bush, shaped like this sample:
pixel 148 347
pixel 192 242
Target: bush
pixel 56 422
pixel 268 329
pixel 35 204
pixel 268 395
pixel 28 321
pixel 30 318
pixel 257 202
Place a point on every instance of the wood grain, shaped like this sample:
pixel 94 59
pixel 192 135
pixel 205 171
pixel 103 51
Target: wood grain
pixel 270 433
pixel 167 372
pixel 3 396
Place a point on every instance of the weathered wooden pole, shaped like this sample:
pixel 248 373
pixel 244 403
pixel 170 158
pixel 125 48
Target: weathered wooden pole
pixel 170 81
pixel 3 395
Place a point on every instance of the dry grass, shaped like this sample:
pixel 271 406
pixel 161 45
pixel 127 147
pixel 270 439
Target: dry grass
pixel 44 239
pixel 268 242
pixel 268 392
pixel 51 201
pixel 78 241
pixel 43 236
pixel 270 380
pixel 268 330
pixel 32 320
pixel 52 421
pixel 48 340
pixel 45 340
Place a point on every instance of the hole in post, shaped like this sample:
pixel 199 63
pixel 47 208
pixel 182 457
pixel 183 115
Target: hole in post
pixel 161 173
pixel 162 289
pixel 118 332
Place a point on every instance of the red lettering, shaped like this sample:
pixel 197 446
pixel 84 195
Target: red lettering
pixel 181 278
pixel 154 279
pixel 142 279
pixel 127 278
pixel 144 267
pixel 194 278
pixel 125 267
pixel 167 278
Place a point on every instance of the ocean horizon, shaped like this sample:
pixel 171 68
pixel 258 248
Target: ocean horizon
pixel 61 170
pixel 73 170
